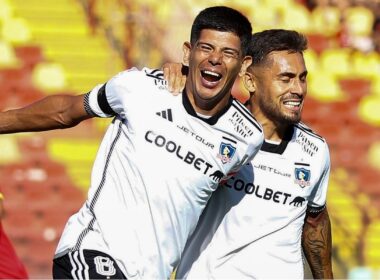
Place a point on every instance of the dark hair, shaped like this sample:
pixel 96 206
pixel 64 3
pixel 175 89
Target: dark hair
pixel 226 19
pixel 267 41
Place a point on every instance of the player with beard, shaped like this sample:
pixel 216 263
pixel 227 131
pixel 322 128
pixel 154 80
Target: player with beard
pixel 256 225
pixel 161 157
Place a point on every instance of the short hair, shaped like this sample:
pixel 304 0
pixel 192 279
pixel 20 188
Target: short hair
pixel 224 19
pixel 267 41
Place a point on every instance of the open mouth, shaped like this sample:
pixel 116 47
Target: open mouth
pixel 210 76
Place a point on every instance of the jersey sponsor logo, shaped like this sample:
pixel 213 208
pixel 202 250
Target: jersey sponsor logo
pixel 104 266
pixel 308 146
pixel 166 114
pixel 226 152
pixel 264 193
pixel 273 170
pixel 302 177
pixel 196 136
pixel 186 156
pixel 240 124
pixel 297 201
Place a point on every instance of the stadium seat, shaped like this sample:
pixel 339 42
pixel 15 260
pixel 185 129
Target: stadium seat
pixel 369 110
pixel 326 20
pixel 8 58
pixel 49 77
pixel 16 31
pixel 355 88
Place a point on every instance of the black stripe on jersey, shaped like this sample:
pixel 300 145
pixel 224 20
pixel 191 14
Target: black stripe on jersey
pixel 280 148
pixel 229 139
pixel 244 111
pixel 190 110
pixel 103 102
pixel 301 163
pixel 97 193
pixel 156 73
pixel 308 130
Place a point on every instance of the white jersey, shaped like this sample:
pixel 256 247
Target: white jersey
pixel 252 226
pixel 154 172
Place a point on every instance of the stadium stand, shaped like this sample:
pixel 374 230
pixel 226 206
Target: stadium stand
pixel 68 46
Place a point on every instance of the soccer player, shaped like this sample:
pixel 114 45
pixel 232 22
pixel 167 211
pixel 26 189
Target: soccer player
pixel 256 224
pixel 11 266
pixel 161 157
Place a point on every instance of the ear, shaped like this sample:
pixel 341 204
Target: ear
pixel 249 82
pixel 186 53
pixel 247 61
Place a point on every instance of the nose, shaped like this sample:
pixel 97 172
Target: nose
pixel 299 87
pixel 215 57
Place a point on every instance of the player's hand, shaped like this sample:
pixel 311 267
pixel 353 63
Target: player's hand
pixel 175 74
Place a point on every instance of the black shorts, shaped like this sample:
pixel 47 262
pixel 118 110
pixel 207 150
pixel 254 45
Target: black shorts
pixel 86 264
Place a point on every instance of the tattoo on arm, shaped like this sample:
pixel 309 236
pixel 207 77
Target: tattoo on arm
pixel 317 244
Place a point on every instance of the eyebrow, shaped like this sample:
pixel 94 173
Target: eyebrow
pixel 292 74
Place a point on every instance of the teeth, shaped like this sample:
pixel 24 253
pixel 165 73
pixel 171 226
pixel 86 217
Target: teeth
pixel 292 103
pixel 211 73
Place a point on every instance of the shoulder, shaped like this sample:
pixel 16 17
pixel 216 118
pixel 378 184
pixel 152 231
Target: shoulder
pixel 311 142
pixel 136 78
pixel 243 122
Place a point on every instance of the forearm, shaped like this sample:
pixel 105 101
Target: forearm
pixel 317 245
pixel 53 112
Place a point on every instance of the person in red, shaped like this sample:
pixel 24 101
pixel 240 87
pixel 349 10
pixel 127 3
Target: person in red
pixel 11 266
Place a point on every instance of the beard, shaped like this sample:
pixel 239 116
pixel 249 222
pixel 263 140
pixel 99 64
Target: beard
pixel 274 113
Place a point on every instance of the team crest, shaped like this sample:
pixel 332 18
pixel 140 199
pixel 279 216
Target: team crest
pixel 226 152
pixel 302 177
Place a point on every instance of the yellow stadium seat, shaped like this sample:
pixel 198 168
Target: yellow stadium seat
pixel 336 62
pixel 8 58
pixel 366 65
pixel 359 20
pixel 296 17
pixel 16 31
pixel 9 150
pixel 5 10
pixel 374 155
pixel 324 87
pixel 326 20
pixel 311 61
pixel 369 110
pixel 49 77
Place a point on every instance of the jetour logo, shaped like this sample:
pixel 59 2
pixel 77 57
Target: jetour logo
pixel 302 177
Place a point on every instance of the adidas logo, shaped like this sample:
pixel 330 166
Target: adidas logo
pixel 166 114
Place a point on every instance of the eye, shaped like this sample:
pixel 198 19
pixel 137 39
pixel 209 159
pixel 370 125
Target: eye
pixel 230 54
pixel 205 48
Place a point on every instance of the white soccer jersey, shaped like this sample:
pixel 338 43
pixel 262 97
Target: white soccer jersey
pixel 154 172
pixel 252 226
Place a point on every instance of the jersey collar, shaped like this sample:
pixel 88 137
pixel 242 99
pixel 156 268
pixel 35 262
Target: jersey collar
pixel 279 148
pixel 190 110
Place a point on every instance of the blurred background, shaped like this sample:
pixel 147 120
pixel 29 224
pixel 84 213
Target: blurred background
pixel 68 46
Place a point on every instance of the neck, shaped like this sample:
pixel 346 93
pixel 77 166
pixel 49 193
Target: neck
pixel 208 107
pixel 273 131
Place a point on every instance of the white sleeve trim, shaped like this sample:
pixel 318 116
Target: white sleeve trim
pixel 93 102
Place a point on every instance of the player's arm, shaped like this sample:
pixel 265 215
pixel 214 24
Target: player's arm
pixel 317 244
pixel 52 112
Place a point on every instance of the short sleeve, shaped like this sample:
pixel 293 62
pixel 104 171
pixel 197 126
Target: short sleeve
pixel 317 199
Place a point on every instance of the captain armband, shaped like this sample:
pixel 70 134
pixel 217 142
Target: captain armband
pixel 1 196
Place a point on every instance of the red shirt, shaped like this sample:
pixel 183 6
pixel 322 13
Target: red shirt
pixel 11 266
